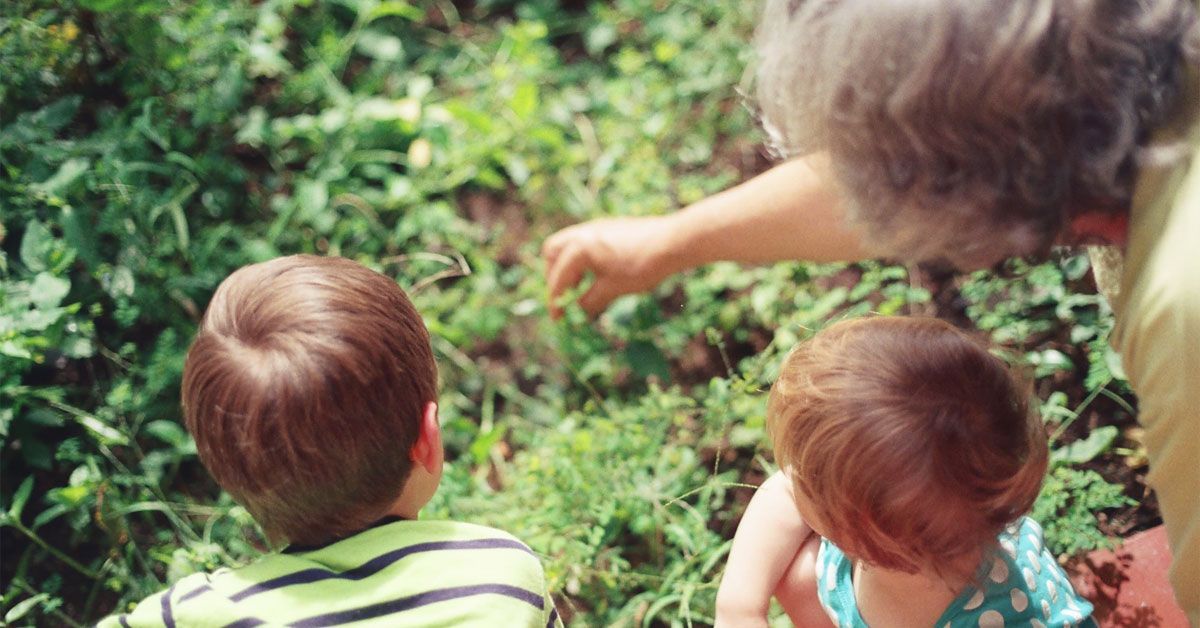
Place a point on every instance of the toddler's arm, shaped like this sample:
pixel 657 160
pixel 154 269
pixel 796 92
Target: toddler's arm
pixel 766 542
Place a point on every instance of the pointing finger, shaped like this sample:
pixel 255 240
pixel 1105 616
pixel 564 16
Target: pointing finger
pixel 564 273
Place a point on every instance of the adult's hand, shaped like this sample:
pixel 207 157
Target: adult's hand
pixel 625 255
pixel 790 212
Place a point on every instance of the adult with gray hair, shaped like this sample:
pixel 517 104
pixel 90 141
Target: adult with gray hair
pixel 968 132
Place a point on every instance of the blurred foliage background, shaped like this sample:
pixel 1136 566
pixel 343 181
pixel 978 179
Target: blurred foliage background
pixel 150 147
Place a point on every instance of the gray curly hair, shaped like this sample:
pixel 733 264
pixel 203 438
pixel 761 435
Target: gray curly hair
pixel 968 131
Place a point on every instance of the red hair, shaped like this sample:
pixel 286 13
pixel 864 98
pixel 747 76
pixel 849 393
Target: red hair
pixel 913 442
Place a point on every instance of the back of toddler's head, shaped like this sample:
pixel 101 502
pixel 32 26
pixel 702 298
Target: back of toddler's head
pixel 914 443
pixel 304 390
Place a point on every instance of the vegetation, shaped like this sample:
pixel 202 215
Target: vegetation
pixel 150 147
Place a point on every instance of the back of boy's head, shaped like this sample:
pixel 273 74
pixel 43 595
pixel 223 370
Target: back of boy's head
pixel 914 444
pixel 304 390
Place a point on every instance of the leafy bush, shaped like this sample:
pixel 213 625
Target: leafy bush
pixel 1068 505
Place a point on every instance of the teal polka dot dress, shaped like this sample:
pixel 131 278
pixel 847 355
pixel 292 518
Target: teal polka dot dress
pixel 1023 586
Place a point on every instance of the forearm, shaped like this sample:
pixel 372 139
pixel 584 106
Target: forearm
pixel 791 212
pixel 740 618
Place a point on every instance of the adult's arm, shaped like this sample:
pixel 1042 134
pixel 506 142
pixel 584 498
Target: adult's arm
pixel 792 211
pixel 1157 332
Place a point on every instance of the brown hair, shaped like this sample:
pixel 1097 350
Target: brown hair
pixel 914 444
pixel 971 131
pixel 304 390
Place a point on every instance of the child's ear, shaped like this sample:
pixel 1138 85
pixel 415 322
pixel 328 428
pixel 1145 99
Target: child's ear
pixel 427 451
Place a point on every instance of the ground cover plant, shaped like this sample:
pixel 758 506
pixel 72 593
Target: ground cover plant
pixel 148 148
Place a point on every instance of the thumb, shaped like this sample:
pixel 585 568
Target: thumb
pixel 598 297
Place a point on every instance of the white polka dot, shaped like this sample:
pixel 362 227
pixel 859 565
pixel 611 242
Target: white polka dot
pixel 991 619
pixel 1020 601
pixel 831 577
pixel 1072 613
pixel 1033 560
pixel 1050 564
pixel 1009 547
pixel 1033 540
pixel 1052 591
pixel 999 571
pixel 1030 579
pixel 975 602
pixel 1046 610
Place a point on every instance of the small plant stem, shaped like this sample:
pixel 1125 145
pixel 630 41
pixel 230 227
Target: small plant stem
pixel 1118 400
pixel 54 551
pixel 91 598
pixel 1087 401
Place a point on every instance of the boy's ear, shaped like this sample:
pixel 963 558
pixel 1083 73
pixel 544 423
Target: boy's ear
pixel 427 451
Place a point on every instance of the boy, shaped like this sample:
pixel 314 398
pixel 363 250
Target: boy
pixel 310 390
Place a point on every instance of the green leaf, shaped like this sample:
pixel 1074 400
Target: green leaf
pixel 38 320
pixel 68 172
pixel 48 515
pixel 517 169
pixel 599 37
pixel 666 50
pixel 48 291
pixel 380 46
pixel 168 432
pixel 104 433
pixel 396 8
pixel 69 496
pixel 646 359
pixel 1085 449
pixel 36 246
pixel 1116 366
pixel 265 60
pixel 484 443
pixel 77 347
pixel 37 454
pixel 43 417
pixel 524 101
pixel 102 6
pixel 58 114
pixel 22 608
pixel 119 282
pixel 80 236
pixel 19 498
pixel 1049 362
pixel 15 350
pixel 312 196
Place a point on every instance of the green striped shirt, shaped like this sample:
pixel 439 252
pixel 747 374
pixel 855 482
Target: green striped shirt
pixel 398 573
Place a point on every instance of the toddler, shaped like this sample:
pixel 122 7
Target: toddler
pixel 909 458
pixel 311 392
